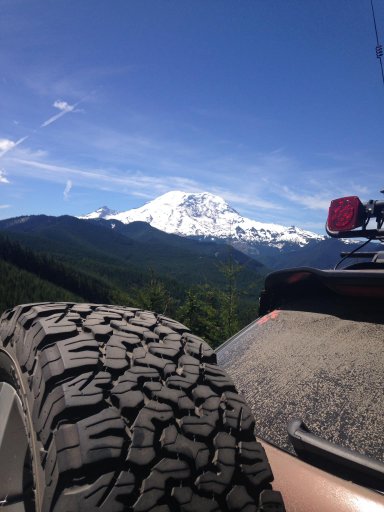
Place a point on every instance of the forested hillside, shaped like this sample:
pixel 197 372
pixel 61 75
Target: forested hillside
pixel 18 286
pixel 203 285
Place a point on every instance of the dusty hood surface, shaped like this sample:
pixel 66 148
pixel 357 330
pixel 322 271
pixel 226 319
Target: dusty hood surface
pixel 325 370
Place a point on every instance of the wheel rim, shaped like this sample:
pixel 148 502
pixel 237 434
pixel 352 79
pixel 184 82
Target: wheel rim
pixel 16 474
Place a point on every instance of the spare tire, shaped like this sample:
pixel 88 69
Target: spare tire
pixel 111 408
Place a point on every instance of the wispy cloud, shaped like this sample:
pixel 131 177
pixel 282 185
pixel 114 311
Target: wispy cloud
pixel 246 199
pixel 68 188
pixel 3 206
pixel 316 195
pixel 3 178
pixel 134 181
pixel 270 186
pixel 7 145
pixel 146 186
pixel 319 201
pixel 63 107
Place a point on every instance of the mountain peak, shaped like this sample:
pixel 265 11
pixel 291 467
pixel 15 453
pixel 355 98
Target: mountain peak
pixel 206 215
pixel 101 213
pixel 196 204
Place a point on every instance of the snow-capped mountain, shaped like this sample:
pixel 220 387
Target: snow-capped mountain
pixel 207 215
pixel 101 213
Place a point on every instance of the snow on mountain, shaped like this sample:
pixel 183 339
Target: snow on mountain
pixel 207 215
pixel 102 213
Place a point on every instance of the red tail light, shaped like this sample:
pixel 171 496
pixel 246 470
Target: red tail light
pixel 345 213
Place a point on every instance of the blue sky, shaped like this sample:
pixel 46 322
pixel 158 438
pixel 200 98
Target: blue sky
pixel 276 105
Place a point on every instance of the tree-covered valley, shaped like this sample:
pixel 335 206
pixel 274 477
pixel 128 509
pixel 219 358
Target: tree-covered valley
pixel 210 287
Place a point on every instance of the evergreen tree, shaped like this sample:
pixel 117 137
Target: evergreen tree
pixel 201 313
pixel 230 299
pixel 154 296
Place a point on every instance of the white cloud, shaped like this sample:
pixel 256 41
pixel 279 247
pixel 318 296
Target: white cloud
pixel 3 178
pixel 67 189
pixel 64 108
pixel 8 144
pixel 3 206
pixel 63 105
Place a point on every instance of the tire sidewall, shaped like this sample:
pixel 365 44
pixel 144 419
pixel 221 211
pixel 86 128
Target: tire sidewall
pixel 11 374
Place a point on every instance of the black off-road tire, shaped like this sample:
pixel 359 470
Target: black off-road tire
pixel 118 409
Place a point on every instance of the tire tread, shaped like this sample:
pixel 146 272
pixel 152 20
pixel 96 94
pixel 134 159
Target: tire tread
pixel 131 412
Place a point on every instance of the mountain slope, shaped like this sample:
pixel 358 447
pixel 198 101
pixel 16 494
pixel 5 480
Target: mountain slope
pixel 57 274
pixel 18 286
pixel 123 253
pixel 207 215
pixel 324 255
pixel 143 267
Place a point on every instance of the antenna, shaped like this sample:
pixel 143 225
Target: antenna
pixel 379 48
